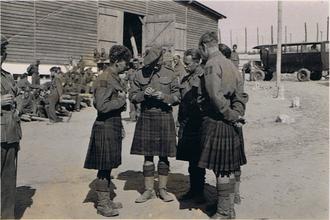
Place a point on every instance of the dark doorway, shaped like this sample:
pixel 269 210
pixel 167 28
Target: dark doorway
pixel 133 27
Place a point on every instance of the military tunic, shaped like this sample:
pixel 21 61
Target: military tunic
pixel 10 137
pixel 34 71
pixel 56 91
pixel 189 118
pixel 155 129
pixel 104 151
pixel 224 101
pixel 235 59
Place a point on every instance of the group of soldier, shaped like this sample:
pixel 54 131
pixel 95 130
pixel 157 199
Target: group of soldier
pixel 208 90
pixel 57 97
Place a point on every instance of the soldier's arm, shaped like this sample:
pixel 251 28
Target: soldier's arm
pixel 104 102
pixel 174 97
pixel 240 97
pixel 136 95
pixel 215 92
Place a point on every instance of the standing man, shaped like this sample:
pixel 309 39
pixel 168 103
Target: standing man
pixel 134 109
pixel 156 88
pixel 56 90
pixel 33 70
pixel 105 146
pixel 223 108
pixel 234 56
pixel 10 137
pixel 190 120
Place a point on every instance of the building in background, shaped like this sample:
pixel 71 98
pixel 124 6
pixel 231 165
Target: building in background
pixel 52 31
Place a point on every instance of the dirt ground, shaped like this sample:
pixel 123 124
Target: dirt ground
pixel 287 175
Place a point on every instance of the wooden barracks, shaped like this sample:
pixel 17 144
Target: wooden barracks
pixel 51 31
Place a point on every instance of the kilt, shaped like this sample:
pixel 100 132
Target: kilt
pixel 189 140
pixel 223 146
pixel 154 135
pixel 104 150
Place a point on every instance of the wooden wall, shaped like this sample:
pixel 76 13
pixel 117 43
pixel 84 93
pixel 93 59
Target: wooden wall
pixel 69 28
pixel 63 29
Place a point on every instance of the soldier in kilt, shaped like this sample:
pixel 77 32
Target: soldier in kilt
pixel 226 51
pixel 155 86
pixel 190 120
pixel 104 151
pixel 223 105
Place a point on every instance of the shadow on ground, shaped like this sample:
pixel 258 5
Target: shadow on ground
pixel 92 196
pixel 24 200
pixel 178 184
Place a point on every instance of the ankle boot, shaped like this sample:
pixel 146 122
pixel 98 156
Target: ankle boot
pixel 163 194
pixel 149 192
pixel 103 207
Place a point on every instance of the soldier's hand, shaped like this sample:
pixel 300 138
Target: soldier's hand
pixel 148 91
pixel 7 99
pixel 158 95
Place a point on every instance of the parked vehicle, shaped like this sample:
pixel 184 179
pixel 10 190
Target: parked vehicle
pixel 309 59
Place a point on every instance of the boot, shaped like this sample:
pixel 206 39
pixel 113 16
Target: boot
pixel 149 192
pixel 115 205
pixel 223 208
pixel 163 194
pixel 103 207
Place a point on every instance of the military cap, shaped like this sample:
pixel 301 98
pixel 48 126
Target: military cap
pixel 152 54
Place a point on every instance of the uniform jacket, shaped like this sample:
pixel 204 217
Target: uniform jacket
pixel 106 100
pixel 56 88
pixel 189 90
pixel 162 79
pixel 10 122
pixel 23 84
pixel 222 88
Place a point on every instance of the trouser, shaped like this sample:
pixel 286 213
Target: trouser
pixel 51 108
pixel 8 179
pixel 197 177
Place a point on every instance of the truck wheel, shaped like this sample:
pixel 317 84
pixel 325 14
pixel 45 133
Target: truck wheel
pixel 268 76
pixel 258 75
pixel 316 75
pixel 303 75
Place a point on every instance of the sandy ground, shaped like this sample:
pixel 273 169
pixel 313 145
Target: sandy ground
pixel 286 177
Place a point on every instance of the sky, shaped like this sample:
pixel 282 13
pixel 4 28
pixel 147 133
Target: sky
pixel 263 14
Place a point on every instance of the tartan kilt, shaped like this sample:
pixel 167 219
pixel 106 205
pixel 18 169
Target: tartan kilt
pixel 154 135
pixel 104 150
pixel 223 146
pixel 189 140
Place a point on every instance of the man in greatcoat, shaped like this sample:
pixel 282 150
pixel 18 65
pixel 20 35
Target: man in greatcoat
pixel 10 137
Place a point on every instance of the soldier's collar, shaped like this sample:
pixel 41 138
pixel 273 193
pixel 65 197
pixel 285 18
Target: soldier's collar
pixel 214 54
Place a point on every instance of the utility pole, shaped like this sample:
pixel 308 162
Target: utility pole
pixel 34 31
pixel 321 32
pixel 280 87
pixel 231 39
pixel 219 36
pixel 245 40
pixel 317 31
pixel 257 36
pixel 286 35
pixel 271 35
pixel 290 37
pixel 328 28
pixel 305 32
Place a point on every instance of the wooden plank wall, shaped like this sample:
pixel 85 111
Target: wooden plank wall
pixel 136 7
pixel 17 25
pixel 69 30
pixel 197 24
pixel 64 28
